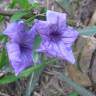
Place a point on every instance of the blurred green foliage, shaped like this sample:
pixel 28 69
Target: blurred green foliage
pixel 1 18
pixel 73 94
pixel 22 3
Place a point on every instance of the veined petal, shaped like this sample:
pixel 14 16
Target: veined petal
pixel 32 32
pixel 43 46
pixel 15 30
pixel 43 28
pixel 17 66
pixel 14 56
pixel 67 53
pixel 69 36
pixel 13 50
pixel 9 31
pixel 56 17
pixel 26 41
pixel 26 56
pixel 19 59
pixel 20 46
pixel 58 50
pixel 58 43
pixel 27 60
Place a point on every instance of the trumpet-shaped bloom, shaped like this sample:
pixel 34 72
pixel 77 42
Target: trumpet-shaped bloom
pixel 19 46
pixel 57 37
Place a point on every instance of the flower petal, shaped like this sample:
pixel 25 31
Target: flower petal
pixel 32 32
pixel 56 17
pixel 18 67
pixel 69 36
pixel 14 56
pixel 15 30
pixel 13 51
pixel 57 50
pixel 67 53
pixel 43 28
pixel 18 59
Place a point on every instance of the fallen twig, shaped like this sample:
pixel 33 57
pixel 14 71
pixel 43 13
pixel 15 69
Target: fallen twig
pixel 9 12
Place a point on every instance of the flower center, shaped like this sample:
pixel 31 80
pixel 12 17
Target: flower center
pixel 55 36
pixel 24 48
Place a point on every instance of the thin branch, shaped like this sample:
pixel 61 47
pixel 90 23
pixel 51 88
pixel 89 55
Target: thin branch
pixel 9 12
pixel 13 11
pixel 30 13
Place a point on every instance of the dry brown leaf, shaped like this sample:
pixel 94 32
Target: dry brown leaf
pixel 78 76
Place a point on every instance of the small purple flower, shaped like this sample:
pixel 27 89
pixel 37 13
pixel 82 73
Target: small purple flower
pixel 19 46
pixel 57 37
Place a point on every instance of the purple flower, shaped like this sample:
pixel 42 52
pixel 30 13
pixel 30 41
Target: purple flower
pixel 57 37
pixel 19 46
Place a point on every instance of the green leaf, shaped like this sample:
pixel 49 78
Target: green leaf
pixel 35 76
pixel 8 79
pixel 3 55
pixel 37 42
pixel 30 20
pixel 3 58
pixel 1 18
pixel 73 94
pixel 88 31
pixel 29 71
pixel 18 16
pixel 33 81
pixel 78 88
pixel 2 36
pixel 12 78
pixel 35 68
pixel 35 5
pixel 24 3
pixel 12 4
